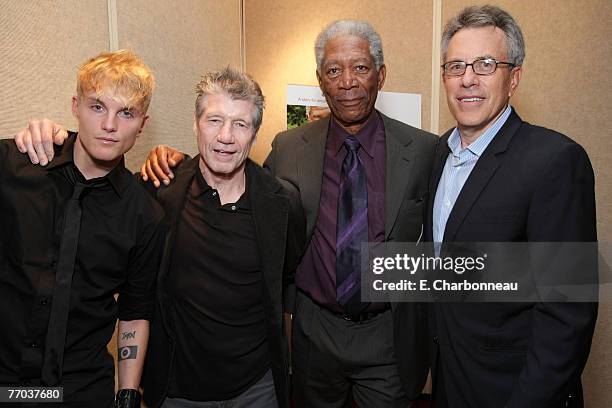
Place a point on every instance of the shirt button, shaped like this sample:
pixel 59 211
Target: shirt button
pixel 44 302
pixel 447 203
pixel 34 345
pixel 233 208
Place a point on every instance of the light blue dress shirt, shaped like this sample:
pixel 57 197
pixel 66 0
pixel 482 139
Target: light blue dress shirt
pixel 457 169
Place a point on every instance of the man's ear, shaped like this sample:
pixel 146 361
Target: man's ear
pixel 144 122
pixel 75 106
pixel 382 74
pixel 515 78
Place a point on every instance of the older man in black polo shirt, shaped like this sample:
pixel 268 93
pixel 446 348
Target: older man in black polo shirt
pixel 74 234
pixel 235 238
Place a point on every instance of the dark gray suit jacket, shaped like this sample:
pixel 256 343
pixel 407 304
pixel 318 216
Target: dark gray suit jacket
pixel 297 157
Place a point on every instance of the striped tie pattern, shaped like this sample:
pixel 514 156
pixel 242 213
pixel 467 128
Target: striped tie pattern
pixel 351 229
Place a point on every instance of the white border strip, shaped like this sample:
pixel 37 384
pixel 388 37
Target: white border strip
pixel 435 69
pixel 113 35
pixel 242 17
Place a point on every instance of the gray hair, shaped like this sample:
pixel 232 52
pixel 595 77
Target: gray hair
pixel 357 28
pixel 488 15
pixel 236 85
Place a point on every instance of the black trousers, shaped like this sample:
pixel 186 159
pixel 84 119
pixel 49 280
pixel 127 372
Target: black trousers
pixel 336 362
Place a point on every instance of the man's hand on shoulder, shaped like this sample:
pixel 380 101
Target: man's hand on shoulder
pixel 159 164
pixel 37 140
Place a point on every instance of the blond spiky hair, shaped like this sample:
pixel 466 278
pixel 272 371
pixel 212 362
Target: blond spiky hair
pixel 121 75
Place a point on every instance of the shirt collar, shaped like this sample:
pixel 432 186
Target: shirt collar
pixel 478 146
pixel 119 177
pixel 365 136
pixel 201 186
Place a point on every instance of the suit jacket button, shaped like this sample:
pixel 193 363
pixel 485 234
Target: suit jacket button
pixel 435 339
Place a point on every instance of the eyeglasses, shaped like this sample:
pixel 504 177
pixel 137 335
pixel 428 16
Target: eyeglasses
pixel 485 66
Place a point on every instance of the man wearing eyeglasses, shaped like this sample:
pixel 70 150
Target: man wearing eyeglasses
pixel 497 178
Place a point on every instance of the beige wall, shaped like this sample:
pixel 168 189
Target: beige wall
pixel 279 49
pixel 566 84
pixel 180 40
pixel 43 42
pixel 41 47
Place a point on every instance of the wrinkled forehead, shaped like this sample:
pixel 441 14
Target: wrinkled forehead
pixel 346 47
pixel 228 106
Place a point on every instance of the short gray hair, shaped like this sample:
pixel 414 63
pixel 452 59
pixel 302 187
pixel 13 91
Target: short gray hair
pixel 488 15
pixel 236 85
pixel 357 28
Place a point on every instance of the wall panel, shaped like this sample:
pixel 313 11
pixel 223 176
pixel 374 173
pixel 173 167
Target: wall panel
pixel 43 42
pixel 180 41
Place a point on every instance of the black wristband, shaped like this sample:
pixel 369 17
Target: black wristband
pixel 127 398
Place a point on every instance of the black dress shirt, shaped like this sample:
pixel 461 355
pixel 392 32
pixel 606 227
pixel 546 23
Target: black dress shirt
pixel 216 289
pixel 118 249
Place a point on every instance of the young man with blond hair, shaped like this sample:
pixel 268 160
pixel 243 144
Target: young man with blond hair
pixel 75 233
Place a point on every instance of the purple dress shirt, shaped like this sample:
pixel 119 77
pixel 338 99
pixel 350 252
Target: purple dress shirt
pixel 316 274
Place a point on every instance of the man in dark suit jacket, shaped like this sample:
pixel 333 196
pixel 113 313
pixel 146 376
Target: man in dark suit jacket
pixel 499 179
pixel 377 357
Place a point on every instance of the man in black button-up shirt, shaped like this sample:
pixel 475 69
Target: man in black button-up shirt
pixel 118 236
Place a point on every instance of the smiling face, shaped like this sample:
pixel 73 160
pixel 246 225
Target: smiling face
pixel 225 135
pixel 107 129
pixel 476 101
pixel 349 80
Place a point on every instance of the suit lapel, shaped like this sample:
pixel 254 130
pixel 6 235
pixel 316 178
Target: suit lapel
pixel 310 157
pixel 270 215
pixel 400 160
pixel 485 168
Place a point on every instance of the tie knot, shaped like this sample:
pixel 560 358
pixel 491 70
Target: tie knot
pixel 351 143
pixel 79 189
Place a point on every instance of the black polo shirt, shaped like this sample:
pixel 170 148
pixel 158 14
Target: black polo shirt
pixel 216 289
pixel 119 245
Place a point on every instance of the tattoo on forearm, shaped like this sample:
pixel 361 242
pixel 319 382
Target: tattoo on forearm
pixel 128 335
pixel 128 352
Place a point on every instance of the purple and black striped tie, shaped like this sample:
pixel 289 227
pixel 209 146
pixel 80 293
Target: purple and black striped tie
pixel 351 229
